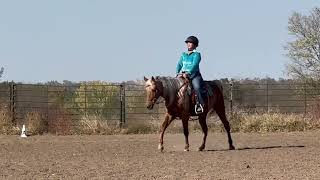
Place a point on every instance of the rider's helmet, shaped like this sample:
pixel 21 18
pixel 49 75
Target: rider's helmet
pixel 193 40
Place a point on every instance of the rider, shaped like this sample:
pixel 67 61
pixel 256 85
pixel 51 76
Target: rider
pixel 189 65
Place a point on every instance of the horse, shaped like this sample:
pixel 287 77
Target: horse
pixel 179 104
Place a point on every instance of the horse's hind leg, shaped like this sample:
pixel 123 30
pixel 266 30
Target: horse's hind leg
pixel 203 123
pixel 167 120
pixel 222 115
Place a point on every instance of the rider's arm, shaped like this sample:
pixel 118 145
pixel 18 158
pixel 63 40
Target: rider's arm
pixel 196 62
pixel 179 65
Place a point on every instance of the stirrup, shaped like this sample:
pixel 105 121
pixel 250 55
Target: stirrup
pixel 198 109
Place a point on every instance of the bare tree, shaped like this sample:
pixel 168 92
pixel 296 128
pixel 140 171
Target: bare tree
pixel 304 49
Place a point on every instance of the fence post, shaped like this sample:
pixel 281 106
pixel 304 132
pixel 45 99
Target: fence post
pixel 47 115
pixel 85 98
pixel 231 97
pixel 12 101
pixel 121 105
pixel 305 99
pixel 124 103
pixel 268 96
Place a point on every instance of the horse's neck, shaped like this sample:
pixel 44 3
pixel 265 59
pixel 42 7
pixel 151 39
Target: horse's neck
pixel 170 88
pixel 168 98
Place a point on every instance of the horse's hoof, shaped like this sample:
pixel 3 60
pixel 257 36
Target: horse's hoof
pixel 186 148
pixel 201 148
pixel 232 147
pixel 160 148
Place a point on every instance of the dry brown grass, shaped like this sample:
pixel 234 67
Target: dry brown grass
pixel 271 122
pixel 6 125
pixel 240 121
pixel 95 124
pixel 60 123
pixel 35 123
pixel 314 110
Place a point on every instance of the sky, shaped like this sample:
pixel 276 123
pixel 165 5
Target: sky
pixel 115 41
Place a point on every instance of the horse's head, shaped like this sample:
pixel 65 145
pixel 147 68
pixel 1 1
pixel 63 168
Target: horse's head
pixel 153 91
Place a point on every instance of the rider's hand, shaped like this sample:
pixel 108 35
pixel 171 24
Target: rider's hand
pixel 185 75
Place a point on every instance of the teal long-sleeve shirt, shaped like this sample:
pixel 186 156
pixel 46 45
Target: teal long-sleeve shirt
pixel 189 63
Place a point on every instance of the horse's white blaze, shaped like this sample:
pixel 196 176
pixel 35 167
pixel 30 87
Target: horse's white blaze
pixel 148 83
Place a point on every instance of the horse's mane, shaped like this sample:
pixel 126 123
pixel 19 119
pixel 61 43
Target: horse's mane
pixel 171 86
pixel 171 83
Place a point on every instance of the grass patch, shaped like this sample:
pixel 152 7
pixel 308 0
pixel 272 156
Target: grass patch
pixel 60 123
pixel 94 124
pixel 272 122
pixel 35 123
pixel 6 125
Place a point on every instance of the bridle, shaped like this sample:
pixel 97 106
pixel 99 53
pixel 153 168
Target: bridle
pixel 156 96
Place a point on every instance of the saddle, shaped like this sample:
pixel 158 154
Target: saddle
pixel 192 93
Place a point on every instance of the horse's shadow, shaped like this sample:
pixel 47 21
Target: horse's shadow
pixel 257 148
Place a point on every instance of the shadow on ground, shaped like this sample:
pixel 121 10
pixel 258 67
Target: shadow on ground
pixel 255 148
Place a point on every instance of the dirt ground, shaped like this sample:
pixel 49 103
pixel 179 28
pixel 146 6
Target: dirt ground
pixel 257 156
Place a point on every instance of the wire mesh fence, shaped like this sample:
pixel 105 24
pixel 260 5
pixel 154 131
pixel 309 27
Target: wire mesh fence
pixel 282 98
pixel 125 103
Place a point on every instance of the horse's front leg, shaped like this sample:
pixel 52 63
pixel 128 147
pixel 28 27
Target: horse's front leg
pixel 167 120
pixel 185 121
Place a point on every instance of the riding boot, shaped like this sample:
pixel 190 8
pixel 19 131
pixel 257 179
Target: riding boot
pixel 199 107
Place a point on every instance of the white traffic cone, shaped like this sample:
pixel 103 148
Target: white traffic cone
pixel 23 131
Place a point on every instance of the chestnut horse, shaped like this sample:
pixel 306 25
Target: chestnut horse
pixel 179 104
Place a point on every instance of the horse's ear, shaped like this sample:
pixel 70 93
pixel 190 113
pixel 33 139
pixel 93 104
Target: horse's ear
pixel 145 79
pixel 152 79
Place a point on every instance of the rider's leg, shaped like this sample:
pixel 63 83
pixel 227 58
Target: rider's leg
pixel 197 83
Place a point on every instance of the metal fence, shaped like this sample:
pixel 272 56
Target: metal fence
pixel 124 103
pixel 274 97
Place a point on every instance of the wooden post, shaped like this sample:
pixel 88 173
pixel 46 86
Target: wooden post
pixel 305 99
pixel 231 97
pixel 268 109
pixel 12 102
pixel 121 105
pixel 85 98
pixel 124 103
